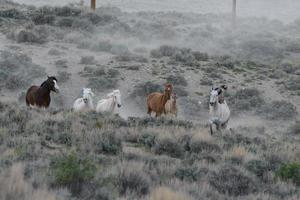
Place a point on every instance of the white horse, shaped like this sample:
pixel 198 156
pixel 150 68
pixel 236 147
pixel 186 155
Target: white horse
pixel 219 112
pixel 85 103
pixel 109 104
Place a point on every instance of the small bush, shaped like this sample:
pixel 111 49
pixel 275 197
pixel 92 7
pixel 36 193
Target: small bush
pixel 102 83
pixel 200 56
pixel 204 147
pixel 41 19
pixel 177 80
pixel 63 63
pixel 295 128
pixel 133 181
pixel 87 60
pixel 108 143
pixel 163 51
pixel 147 139
pixel 169 147
pixel 63 76
pixel 293 84
pixel 258 167
pixel 246 99
pixel 65 22
pixel 190 174
pixel 277 110
pixel 290 171
pixel 72 171
pixel 231 181
pixel 83 24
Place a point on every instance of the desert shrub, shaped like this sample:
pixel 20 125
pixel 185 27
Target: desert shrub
pixel 97 19
pixel 294 129
pixel 141 91
pixel 206 81
pixel 231 181
pixel 190 174
pixel 40 19
pixel 169 146
pixel 131 57
pixel 283 110
pixel 65 22
pixel 164 50
pixel 184 56
pixel 54 52
pixel 274 161
pixel 102 83
pixel 293 84
pixel 290 171
pixel 239 139
pixel 200 56
pixel 246 99
pixel 72 171
pixel 133 181
pixel 63 76
pixel 147 139
pixel 87 60
pixel 62 63
pixel 102 46
pixel 38 35
pixel 95 191
pixel 152 122
pixel 177 80
pixel 258 167
pixel 12 13
pixel 180 91
pixel 199 146
pixel 108 143
pixel 113 73
pixel 83 24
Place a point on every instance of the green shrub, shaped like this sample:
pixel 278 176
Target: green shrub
pixel 72 171
pixel 290 171
pixel 190 174
pixel 108 143
pixel 169 146
pixel 147 139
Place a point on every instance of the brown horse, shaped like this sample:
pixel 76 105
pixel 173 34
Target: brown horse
pixel 156 101
pixel 39 96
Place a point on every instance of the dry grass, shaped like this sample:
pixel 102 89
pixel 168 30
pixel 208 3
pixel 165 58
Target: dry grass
pixel 14 186
pixel 164 193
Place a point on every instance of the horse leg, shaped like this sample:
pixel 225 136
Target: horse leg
pixel 149 111
pixel 211 129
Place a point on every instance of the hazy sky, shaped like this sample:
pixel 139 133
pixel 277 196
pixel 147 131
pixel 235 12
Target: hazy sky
pixel 286 10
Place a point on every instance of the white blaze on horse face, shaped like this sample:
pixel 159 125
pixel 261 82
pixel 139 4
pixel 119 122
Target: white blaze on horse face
pixel 118 98
pixel 213 97
pixel 55 85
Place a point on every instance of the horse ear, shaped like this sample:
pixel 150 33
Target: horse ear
pixel 220 91
pixel 224 87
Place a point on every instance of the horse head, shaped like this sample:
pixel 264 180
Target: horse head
pixel 168 90
pixel 117 95
pixel 52 84
pixel 214 95
pixel 87 94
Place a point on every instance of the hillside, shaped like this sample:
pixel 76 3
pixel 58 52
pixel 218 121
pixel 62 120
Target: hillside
pixel 59 154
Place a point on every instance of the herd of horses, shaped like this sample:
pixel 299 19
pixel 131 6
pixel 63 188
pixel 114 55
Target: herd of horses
pixel 157 102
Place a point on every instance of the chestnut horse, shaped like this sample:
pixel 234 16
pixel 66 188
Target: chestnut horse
pixel 39 96
pixel 156 101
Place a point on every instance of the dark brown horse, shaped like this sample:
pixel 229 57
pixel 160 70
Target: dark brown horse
pixel 156 101
pixel 39 96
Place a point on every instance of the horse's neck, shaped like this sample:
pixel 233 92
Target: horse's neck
pixel 112 103
pixel 44 90
pixel 164 98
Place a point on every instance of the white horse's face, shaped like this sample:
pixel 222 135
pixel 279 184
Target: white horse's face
pixel 87 94
pixel 117 95
pixel 213 97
